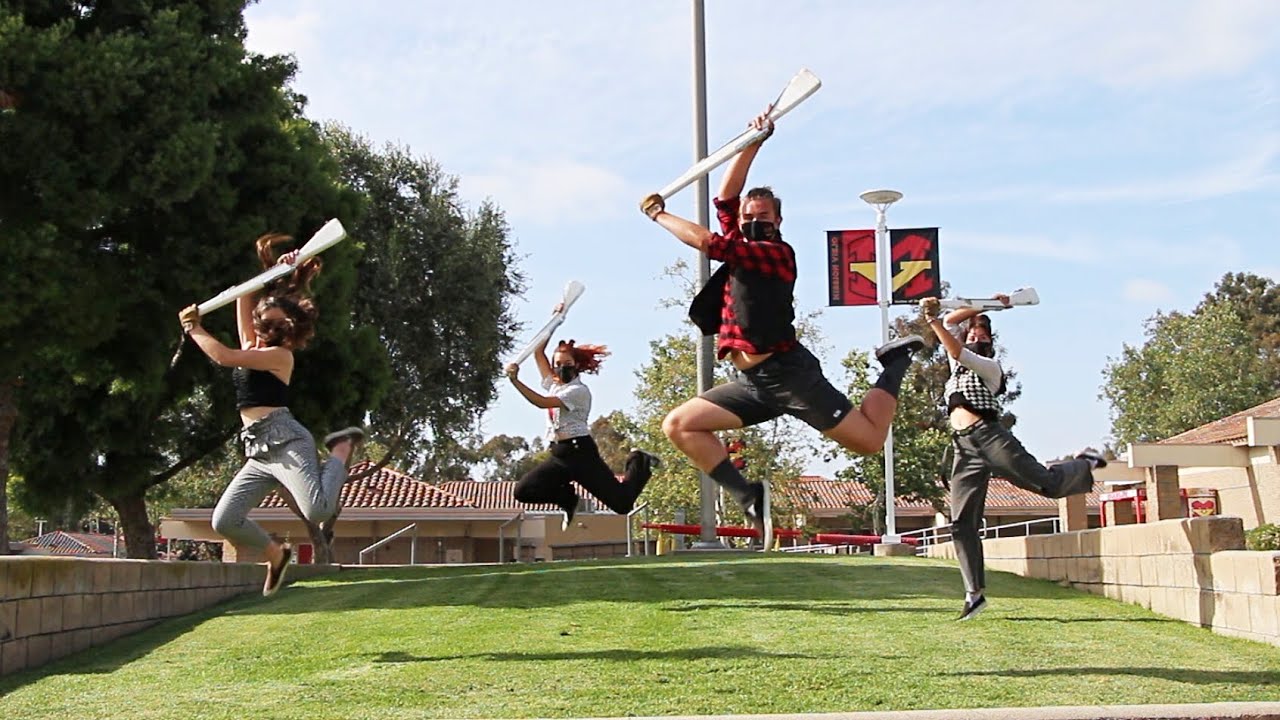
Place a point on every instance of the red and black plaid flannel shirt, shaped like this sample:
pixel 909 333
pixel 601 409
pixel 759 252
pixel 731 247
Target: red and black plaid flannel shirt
pixel 773 258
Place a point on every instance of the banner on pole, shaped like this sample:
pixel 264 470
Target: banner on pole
pixel 914 254
pixel 851 267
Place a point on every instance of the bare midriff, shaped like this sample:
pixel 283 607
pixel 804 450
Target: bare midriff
pixel 745 361
pixel 962 418
pixel 251 415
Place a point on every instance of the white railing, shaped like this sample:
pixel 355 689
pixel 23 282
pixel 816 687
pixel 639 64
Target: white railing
pixel 413 548
pixel 630 517
pixel 942 533
pixel 502 538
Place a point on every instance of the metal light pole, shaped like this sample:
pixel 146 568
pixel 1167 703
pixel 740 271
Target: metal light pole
pixel 706 351
pixel 881 200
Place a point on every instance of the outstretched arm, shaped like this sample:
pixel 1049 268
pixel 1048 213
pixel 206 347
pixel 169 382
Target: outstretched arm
pixel 276 359
pixel 735 178
pixel 534 398
pixel 959 315
pixel 929 308
pixel 686 231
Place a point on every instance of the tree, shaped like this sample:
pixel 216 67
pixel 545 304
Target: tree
pixel 437 284
pixel 921 429
pixel 614 444
pixel 509 457
pixel 1257 300
pixel 1192 369
pixel 146 151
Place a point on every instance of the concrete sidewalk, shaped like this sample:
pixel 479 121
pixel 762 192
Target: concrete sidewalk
pixel 1206 711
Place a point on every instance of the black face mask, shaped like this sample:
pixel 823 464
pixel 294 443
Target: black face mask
pixel 984 348
pixel 566 372
pixel 758 230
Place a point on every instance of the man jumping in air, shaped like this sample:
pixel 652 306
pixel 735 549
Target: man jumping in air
pixel 749 302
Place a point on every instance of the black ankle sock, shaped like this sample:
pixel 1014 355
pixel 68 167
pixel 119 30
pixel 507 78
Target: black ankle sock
pixel 890 379
pixel 732 480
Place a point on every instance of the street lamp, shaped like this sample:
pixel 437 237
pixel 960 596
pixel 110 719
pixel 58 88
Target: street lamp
pixel 881 200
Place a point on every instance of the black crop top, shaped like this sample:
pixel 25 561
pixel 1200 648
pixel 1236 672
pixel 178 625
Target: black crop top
pixel 259 388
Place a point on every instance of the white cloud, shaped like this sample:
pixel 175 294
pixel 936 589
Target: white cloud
pixel 1250 171
pixel 283 34
pixel 1035 246
pixel 549 193
pixel 1142 290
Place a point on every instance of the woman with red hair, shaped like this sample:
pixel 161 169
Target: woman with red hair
pixel 574 455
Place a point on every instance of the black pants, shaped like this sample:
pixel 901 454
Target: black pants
pixel 578 459
pixel 988 448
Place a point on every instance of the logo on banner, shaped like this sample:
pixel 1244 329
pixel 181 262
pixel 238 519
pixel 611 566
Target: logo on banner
pixel 851 267
pixel 915 264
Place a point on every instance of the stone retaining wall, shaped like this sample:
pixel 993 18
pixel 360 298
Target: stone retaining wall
pixel 54 606
pixel 1194 570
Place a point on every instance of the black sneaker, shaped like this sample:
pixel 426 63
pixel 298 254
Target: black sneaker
pixel 567 520
pixel 654 462
pixel 895 350
pixel 971 609
pixel 759 512
pixel 1099 462
pixel 276 571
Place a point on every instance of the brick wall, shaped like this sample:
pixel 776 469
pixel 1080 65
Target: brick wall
pixel 1192 570
pixel 54 606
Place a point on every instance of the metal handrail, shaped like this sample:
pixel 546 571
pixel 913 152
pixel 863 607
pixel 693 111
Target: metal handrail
pixel 502 539
pixel 388 539
pixel 933 535
pixel 630 515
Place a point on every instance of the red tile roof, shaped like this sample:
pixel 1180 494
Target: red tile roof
pixel 59 542
pixel 386 488
pixel 389 488
pixel 820 495
pixel 1228 430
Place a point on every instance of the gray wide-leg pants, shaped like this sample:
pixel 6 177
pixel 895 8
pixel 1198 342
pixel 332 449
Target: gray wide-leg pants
pixel 279 452
pixel 985 449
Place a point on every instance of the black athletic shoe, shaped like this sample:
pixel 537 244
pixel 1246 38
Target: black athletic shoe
pixel 276 571
pixel 758 513
pixel 971 609
pixel 903 347
pixel 1099 462
pixel 637 454
pixel 567 521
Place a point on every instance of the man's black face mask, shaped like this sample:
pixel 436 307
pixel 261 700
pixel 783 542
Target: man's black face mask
pixel 758 230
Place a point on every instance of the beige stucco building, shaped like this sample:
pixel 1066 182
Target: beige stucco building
pixel 1236 456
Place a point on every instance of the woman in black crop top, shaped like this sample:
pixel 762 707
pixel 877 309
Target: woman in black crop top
pixel 279 451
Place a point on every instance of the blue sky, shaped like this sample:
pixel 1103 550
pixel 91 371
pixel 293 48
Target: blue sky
pixel 1119 157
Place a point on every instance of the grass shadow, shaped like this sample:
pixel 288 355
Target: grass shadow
pixel 827 608
pixel 614 655
pixel 1194 676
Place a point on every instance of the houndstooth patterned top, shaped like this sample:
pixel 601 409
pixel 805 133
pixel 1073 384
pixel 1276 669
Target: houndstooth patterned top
pixel 976 381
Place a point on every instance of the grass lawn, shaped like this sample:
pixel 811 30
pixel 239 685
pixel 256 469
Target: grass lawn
pixel 695 634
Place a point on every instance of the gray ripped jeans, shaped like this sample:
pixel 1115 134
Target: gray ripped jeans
pixel 987 448
pixel 279 451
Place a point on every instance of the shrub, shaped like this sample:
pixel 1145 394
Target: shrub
pixel 1263 537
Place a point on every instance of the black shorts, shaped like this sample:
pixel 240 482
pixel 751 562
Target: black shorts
pixel 789 383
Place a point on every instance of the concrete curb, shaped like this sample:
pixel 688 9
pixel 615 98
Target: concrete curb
pixel 1205 711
